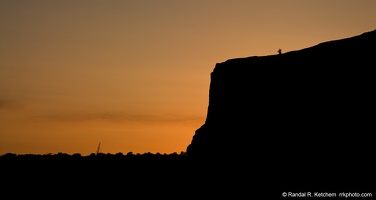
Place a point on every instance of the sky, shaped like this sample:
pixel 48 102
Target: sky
pixel 134 75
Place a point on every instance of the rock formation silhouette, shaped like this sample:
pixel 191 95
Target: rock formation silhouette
pixel 301 121
pixel 305 111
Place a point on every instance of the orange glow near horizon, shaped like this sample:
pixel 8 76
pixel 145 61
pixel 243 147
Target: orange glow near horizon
pixel 135 75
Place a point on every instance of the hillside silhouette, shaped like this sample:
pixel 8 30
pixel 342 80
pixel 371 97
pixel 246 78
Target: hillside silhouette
pixel 321 93
pixel 296 121
pixel 297 114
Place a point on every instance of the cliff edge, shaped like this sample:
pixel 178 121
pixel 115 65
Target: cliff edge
pixel 305 109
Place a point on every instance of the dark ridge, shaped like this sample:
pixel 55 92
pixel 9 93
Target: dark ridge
pixel 302 113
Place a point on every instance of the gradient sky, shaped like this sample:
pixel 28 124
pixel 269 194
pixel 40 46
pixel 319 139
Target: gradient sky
pixel 134 75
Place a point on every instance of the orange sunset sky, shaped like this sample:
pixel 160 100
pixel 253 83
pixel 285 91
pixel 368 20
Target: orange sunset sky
pixel 135 74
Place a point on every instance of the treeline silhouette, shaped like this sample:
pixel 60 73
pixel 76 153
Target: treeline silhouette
pixel 128 157
pixel 99 163
pixel 150 176
pixel 144 175
pixel 122 176
pixel 174 175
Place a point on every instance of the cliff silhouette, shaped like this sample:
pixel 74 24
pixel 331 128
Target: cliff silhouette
pixel 304 112
pixel 298 122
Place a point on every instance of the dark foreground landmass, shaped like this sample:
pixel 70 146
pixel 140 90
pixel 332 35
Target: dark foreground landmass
pixel 167 176
pixel 292 124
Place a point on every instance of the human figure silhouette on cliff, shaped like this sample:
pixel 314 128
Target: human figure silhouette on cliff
pixel 279 51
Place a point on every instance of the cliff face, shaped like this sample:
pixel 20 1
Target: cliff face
pixel 314 103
